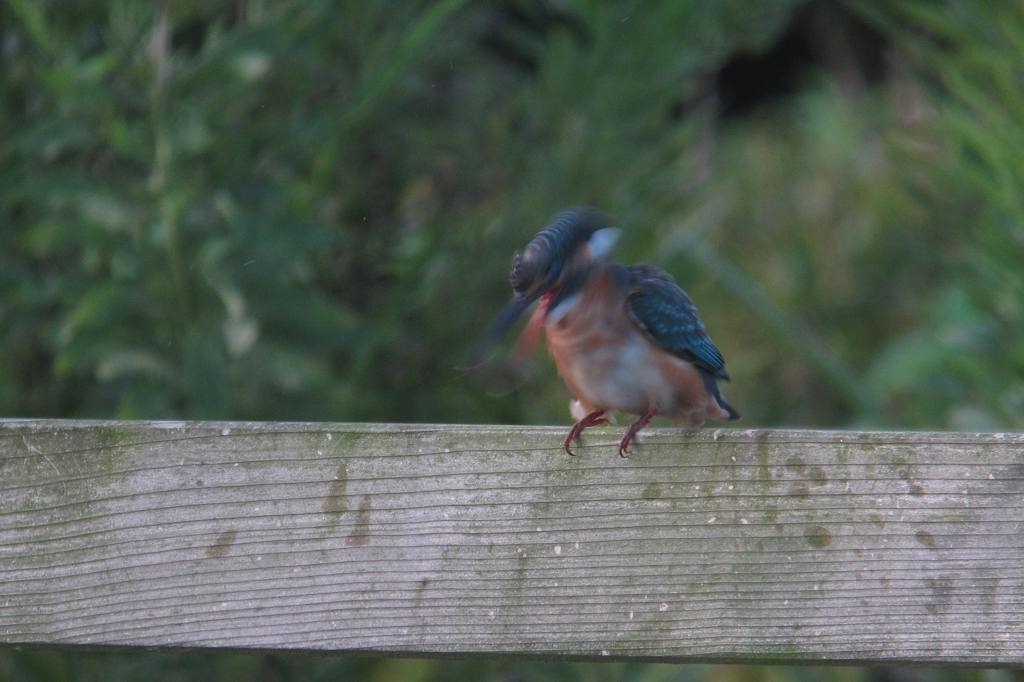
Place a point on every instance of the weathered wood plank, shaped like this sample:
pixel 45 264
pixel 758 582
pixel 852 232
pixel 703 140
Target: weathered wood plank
pixel 723 545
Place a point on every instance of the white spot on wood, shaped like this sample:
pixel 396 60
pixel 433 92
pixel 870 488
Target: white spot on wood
pixel 558 549
pixel 663 607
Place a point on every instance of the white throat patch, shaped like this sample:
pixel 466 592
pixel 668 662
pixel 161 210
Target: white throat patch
pixel 556 314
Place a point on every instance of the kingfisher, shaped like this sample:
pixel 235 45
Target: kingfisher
pixel 624 338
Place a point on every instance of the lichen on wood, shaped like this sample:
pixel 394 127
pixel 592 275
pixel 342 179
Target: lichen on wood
pixel 738 545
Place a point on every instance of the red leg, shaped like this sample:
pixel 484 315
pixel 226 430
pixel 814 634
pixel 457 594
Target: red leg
pixel 596 417
pixel 633 430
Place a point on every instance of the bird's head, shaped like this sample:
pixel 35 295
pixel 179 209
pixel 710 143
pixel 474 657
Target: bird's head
pixel 574 240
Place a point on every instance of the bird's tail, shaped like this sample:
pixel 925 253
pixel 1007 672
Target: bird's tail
pixel 712 387
pixel 733 414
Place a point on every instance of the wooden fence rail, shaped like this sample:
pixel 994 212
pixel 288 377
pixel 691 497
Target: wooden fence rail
pixel 752 546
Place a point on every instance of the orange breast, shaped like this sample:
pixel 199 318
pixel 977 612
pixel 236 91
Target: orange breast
pixel 587 342
pixel 608 363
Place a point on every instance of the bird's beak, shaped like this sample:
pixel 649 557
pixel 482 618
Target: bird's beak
pixel 506 318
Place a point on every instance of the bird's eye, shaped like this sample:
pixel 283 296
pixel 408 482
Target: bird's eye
pixel 526 266
pixel 518 277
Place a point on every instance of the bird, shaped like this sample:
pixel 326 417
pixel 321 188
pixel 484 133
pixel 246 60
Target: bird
pixel 624 339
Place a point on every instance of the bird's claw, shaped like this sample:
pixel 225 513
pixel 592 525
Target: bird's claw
pixel 573 437
pixel 577 428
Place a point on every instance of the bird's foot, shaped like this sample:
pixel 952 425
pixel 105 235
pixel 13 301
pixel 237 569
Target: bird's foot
pixel 592 419
pixel 634 429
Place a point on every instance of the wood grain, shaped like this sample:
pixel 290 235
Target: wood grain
pixel 751 546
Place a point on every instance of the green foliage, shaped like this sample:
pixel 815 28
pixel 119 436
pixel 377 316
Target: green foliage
pixel 964 366
pixel 303 210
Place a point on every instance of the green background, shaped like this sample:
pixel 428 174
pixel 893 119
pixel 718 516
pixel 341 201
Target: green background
pixel 306 210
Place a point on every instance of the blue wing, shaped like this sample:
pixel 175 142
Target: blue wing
pixel 669 318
